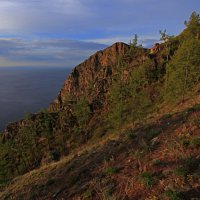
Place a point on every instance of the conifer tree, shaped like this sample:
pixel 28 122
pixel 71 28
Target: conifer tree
pixel 193 26
pixel 183 72
pixel 118 96
pixel 167 39
pixel 140 79
pixel 82 113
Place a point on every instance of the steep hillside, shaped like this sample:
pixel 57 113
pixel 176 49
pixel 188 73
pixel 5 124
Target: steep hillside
pixel 125 125
pixel 157 161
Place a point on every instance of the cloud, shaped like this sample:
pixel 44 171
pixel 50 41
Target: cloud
pixel 146 41
pixel 90 18
pixel 45 52
pixel 81 26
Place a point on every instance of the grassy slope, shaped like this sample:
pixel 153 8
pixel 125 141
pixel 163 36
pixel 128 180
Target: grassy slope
pixel 159 160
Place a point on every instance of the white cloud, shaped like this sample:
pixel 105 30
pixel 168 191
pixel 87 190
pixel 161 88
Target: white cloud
pixel 87 17
pixel 31 16
pixel 45 52
pixel 146 41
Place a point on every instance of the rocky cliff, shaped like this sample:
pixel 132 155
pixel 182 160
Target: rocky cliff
pixel 93 77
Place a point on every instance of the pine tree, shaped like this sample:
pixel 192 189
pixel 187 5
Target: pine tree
pixel 183 72
pixel 140 79
pixel 82 113
pixel 193 25
pixel 118 96
pixel 167 39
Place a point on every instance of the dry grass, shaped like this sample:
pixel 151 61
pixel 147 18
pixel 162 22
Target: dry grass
pixel 83 172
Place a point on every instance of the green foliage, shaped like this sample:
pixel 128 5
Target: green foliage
pixel 169 42
pixel 119 93
pixel 193 26
pixel 173 195
pixel 147 179
pixel 164 36
pixel 140 99
pixel 24 152
pixel 180 171
pixel 82 113
pixel 134 42
pixel 183 72
pixel 111 170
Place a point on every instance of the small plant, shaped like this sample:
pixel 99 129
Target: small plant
pixel 111 170
pixel 147 179
pixel 173 195
pixel 180 171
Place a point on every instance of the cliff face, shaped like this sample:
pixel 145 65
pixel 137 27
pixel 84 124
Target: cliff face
pixel 94 73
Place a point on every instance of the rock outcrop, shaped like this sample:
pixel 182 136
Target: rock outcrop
pixel 93 73
pixel 93 77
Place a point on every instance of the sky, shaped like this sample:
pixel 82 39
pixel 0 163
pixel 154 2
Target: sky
pixel 62 33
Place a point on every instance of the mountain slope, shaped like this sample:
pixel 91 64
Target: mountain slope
pixel 125 125
pixel 155 161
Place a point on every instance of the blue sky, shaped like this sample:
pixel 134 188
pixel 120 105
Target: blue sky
pixel 65 32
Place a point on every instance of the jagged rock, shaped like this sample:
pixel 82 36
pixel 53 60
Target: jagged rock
pixel 95 72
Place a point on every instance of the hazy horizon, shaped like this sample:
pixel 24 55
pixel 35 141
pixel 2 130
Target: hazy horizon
pixel 26 90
